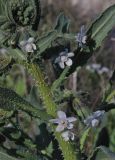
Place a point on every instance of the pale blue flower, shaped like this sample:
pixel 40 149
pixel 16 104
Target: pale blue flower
pixel 63 121
pixel 64 59
pixel 94 119
pixel 93 67
pixel 28 45
pixel 81 37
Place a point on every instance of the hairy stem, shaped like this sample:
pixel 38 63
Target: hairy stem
pixel 66 147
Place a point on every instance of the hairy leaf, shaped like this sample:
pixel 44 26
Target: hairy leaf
pixel 4 156
pixel 9 100
pixel 17 54
pixel 101 26
pixel 45 41
pixel 62 24
pixel 83 138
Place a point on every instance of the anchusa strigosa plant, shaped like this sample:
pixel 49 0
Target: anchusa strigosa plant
pixel 40 118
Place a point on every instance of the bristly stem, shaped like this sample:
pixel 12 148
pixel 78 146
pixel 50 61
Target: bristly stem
pixel 51 108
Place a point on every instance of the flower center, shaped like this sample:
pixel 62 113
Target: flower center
pixel 64 123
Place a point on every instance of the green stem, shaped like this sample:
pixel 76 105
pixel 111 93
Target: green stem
pixel 66 147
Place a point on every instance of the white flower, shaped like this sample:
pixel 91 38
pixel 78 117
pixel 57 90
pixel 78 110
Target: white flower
pixel 64 59
pixel 67 135
pixel 99 69
pixel 103 70
pixel 81 37
pixel 94 119
pixel 93 67
pixel 28 45
pixel 63 121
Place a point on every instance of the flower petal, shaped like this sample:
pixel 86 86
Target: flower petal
pixel 98 114
pixel 71 119
pixel 62 53
pixel 65 135
pixel 70 54
pixel 61 115
pixel 23 43
pixel 28 48
pixel 34 46
pixel 78 38
pixel 72 136
pixel 31 40
pixel 69 62
pixel 95 123
pixel 57 60
pixel 61 64
pixel 82 30
pixel 69 126
pixel 63 58
pixel 84 39
pixel 60 128
pixel 56 121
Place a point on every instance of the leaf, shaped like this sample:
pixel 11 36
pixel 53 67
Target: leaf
pixel 4 115
pixel 107 107
pixel 9 100
pixel 45 41
pixel 34 97
pixel 49 150
pixel 57 83
pixel 105 154
pixel 20 86
pixel 62 24
pixel 17 54
pixel 4 61
pixel 2 2
pixel 4 156
pixel 101 26
pixel 83 138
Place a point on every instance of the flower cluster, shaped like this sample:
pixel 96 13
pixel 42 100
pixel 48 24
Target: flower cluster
pixel 64 59
pixel 64 123
pixel 94 119
pixel 28 45
pixel 99 69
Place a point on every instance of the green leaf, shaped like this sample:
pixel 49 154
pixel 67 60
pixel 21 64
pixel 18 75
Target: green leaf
pixel 83 138
pixel 101 26
pixel 9 100
pixel 17 54
pixel 60 80
pixel 4 115
pixel 4 156
pixel 105 154
pixel 45 41
pixel 20 86
pixel 62 24
pixel 4 61
pixel 49 150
